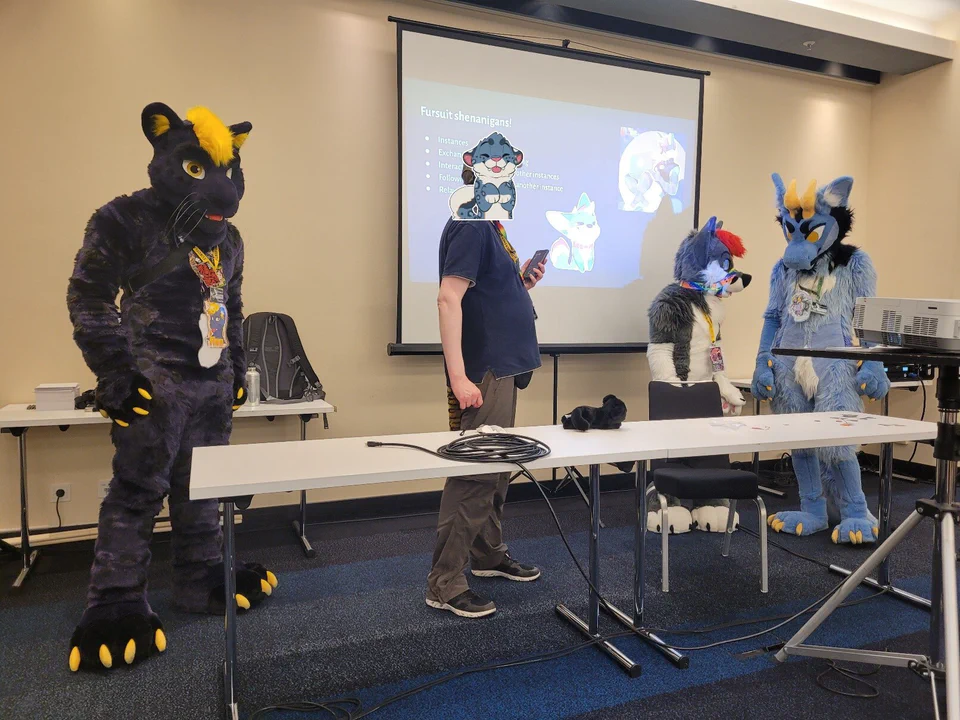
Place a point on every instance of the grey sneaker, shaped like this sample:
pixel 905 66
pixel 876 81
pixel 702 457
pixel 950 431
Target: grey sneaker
pixel 467 604
pixel 511 570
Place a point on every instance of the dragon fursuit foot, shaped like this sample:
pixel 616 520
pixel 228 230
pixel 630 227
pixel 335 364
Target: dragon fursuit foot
pixel 855 531
pixel 796 522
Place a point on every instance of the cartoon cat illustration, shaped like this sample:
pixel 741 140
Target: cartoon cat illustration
pixel 493 195
pixel 580 230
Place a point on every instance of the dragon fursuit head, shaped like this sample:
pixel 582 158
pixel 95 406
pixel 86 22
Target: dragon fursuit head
pixel 686 343
pixel 170 367
pixel 813 289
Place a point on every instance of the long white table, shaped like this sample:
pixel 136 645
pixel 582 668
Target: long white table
pixel 17 419
pixel 237 471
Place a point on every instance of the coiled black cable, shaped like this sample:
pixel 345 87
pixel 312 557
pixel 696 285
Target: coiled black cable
pixel 491 447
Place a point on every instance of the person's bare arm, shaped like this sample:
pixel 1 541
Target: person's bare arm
pixel 452 290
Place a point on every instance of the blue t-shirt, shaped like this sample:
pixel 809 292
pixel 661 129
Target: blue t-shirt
pixel 499 332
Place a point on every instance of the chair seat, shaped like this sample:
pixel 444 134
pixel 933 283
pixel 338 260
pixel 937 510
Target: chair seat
pixel 703 483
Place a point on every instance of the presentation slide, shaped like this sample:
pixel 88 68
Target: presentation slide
pixel 605 182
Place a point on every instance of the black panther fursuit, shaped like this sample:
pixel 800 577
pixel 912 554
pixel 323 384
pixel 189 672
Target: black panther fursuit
pixel 170 367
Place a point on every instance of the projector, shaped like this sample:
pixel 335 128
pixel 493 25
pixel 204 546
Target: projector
pixel 909 322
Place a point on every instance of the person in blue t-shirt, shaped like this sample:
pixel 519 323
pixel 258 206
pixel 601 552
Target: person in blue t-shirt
pixel 490 350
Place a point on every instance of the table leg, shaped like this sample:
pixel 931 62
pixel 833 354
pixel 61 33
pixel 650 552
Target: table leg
pixel 639 578
pixel 230 623
pixel 756 462
pixel 300 525
pixel 591 627
pixel 29 556
pixel 883 514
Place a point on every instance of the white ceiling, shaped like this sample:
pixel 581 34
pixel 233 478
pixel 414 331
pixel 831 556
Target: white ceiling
pixel 918 15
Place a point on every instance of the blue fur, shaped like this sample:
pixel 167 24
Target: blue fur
pixel 840 383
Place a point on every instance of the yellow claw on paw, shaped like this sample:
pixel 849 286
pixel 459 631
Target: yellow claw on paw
pixel 836 535
pixel 160 640
pixel 272 579
pixel 240 394
pixel 853 537
pixel 769 364
pixel 863 386
pixel 75 659
pixel 236 407
pixel 876 532
pixel 130 652
pixel 106 659
pixel 770 388
pixel 144 394
pixel 770 519
pixel 778 525
pixel 242 602
pixel 104 413
pixel 265 587
pixel 141 411
pixel 859 537
pixel 121 423
pixel 799 528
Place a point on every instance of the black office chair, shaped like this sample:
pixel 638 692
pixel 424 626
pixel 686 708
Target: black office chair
pixel 700 478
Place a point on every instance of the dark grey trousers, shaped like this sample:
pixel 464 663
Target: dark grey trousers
pixel 471 508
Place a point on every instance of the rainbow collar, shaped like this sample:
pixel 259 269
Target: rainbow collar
pixel 718 288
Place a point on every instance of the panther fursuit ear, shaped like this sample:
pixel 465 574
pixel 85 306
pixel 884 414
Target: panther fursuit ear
pixel 240 131
pixel 157 119
pixel 837 193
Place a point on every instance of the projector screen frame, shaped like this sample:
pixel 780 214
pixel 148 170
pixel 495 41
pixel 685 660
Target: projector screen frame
pixel 550 349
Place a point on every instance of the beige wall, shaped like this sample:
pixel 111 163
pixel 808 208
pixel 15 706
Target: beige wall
pixel 318 81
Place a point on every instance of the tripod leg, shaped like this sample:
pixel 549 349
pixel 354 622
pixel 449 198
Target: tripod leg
pixel 851 584
pixel 948 559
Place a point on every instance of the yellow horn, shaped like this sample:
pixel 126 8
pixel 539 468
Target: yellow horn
pixel 790 200
pixel 809 200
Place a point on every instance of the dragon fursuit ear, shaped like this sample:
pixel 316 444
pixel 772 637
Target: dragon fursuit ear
pixel 780 188
pixel 837 193
pixel 240 131
pixel 157 119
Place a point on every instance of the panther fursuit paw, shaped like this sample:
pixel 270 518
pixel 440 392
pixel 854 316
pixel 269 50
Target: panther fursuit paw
pixel 111 635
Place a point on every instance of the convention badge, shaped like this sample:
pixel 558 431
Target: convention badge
pixel 818 308
pixel 213 330
pixel 493 194
pixel 801 305
pixel 716 358
pixel 209 272
pixel 216 295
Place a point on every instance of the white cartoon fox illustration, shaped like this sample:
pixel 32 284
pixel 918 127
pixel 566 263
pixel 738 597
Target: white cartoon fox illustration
pixel 580 230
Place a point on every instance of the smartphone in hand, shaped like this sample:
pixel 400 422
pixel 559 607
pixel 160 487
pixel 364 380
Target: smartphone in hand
pixel 538 257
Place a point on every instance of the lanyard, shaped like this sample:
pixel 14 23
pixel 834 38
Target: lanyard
pixel 202 257
pixel 713 337
pixel 506 243
pixel 818 292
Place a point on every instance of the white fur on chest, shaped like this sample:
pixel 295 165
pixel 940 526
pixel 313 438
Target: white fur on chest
pixel 705 337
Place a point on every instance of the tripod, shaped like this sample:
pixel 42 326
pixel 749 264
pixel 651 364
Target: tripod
pixel 944 654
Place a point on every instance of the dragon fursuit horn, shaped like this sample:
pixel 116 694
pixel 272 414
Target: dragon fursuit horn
pixel 809 200
pixel 791 200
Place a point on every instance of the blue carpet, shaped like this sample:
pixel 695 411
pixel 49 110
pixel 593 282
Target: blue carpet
pixel 353 622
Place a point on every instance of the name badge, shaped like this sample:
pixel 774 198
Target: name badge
pixel 716 358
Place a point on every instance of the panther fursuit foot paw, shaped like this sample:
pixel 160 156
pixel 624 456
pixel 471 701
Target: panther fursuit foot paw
pixel 116 634
pixel 254 585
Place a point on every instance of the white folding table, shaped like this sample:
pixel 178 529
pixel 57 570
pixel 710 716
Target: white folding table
pixel 17 419
pixel 235 472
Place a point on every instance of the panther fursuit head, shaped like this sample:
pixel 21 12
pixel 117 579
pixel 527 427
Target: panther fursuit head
pixel 493 195
pixel 815 223
pixel 196 168
pixel 705 261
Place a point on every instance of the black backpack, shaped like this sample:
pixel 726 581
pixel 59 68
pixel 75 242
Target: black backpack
pixel 273 346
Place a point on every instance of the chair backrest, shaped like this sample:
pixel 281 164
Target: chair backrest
pixel 690 400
